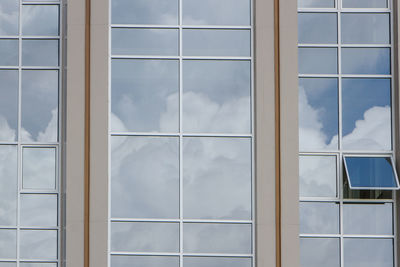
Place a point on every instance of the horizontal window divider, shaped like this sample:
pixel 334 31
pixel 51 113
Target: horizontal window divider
pixel 9 67
pixel 144 253
pixel 9 143
pixel 38 192
pixel 319 199
pixel 318 75
pixel 347 236
pixel 376 76
pixel 40 37
pixel 214 221
pixel 346 200
pixel 8 37
pixel 322 153
pixel 8 260
pixel 348 152
pixel 181 134
pixel 344 10
pixel 205 27
pixel 46 145
pixel 320 235
pixel 40 68
pixel 178 57
pixel 38 260
pixel 302 45
pixel 45 228
pixel 317 45
pixel 116 253
pixel 8 227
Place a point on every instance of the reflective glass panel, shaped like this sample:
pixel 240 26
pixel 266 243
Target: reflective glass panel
pixel 317 252
pixel 216 262
pixel 317 176
pixel 9 11
pixel 217 178
pixel 40 52
pixel 39 105
pixel 38 210
pixel 317 60
pixel 366 60
pixel 316 3
pixel 8 264
pixel 144 237
pixel 8 105
pixel 162 42
pixel 210 42
pixel 216 12
pixel 370 172
pixel 144 12
pixel 365 28
pixel 319 218
pixel 141 261
pixel 8 52
pixel 364 3
pixel 145 177
pixel 362 252
pixel 40 20
pixel 217 238
pixel 316 28
pixel 40 264
pixel 221 101
pixel 318 113
pixel 367 123
pixel 38 244
pixel 8 244
pixel 145 95
pixel 8 186
pixel 373 219
pixel 39 168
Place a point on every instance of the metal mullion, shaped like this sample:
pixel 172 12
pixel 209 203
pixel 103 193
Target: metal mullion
pixel 181 133
pixel 42 37
pixel 317 10
pixel 253 145
pixel 25 3
pixel 9 67
pixel 109 54
pixel 39 192
pixel 319 199
pixel 41 68
pixel 319 235
pixel 238 58
pixel 154 57
pixel 318 75
pixel 44 228
pixel 312 45
pixel 144 26
pixel 210 221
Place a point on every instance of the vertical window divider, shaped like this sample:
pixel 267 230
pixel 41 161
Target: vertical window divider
pixel 180 18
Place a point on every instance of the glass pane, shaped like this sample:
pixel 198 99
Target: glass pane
pixel 316 3
pixel 40 20
pixel 318 114
pixel 39 168
pixel 319 218
pixel 365 28
pixel 8 186
pixel 144 11
pixel 162 42
pixel 40 52
pixel 316 28
pixel 145 95
pixel 365 3
pixel 317 60
pixel 362 252
pixel 217 178
pixel 220 12
pixel 216 262
pixel 38 210
pixel 143 261
pixel 8 105
pixel 39 105
pixel 367 123
pixel 40 264
pixel 8 244
pixel 144 237
pixel 366 60
pixel 216 42
pixel 8 52
pixel 317 252
pixel 370 172
pixel 38 244
pixel 9 264
pixel 373 219
pixel 145 177
pixel 317 176
pixel 217 238
pixel 221 102
pixel 9 11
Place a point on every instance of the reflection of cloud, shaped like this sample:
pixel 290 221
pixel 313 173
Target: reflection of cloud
pixel 368 252
pixel 319 218
pixel 49 134
pixel 6 133
pixel 40 20
pixel 8 243
pixel 317 252
pixel 38 244
pixel 9 17
pixel 8 185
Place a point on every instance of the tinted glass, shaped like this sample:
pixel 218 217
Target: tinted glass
pixel 367 123
pixel 368 252
pixel 365 28
pixel 163 42
pixel 9 264
pixel 219 103
pixel 40 264
pixel 365 3
pixel 366 60
pixel 216 12
pixel 9 11
pixel 319 218
pixel 38 244
pixel 370 172
pixel 316 3
pixel 317 60
pixel 317 252
pixel 38 210
pixel 39 168
pixel 8 187
pixel 40 20
pixel 8 52
pixel 40 52
pixel 8 244
pixel 315 28
pixel 140 261
pixel 216 262
pixel 145 95
pixel 8 105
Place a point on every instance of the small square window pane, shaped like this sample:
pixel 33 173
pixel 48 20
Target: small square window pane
pixel 39 168
pixel 317 60
pixel 366 60
pixel 365 3
pixel 39 106
pixel 319 218
pixel 35 264
pixel 40 20
pixel 141 261
pixel 8 244
pixel 216 12
pixel 317 28
pixel 216 262
pixel 8 186
pixel 144 237
pixel 365 28
pixel 371 173
pixel 38 244
pixel 317 252
pixel 217 238
pixel 9 11
pixel 39 210
pixel 161 42
pixel 144 12
pixel 8 105
pixel 8 264
pixel 316 3
pixel 368 219
pixel 363 252
pixel 210 42
pixel 40 53
pixel 219 103
pixel 8 52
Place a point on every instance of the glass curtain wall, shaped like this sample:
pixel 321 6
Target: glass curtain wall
pixel 29 133
pixel 345 111
pixel 181 133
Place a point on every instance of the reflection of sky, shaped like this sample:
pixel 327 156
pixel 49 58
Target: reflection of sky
pixel 317 252
pixel 368 252
pixel 364 3
pixel 317 28
pixel 8 185
pixel 38 210
pixel 9 10
pixel 8 244
pixel 216 262
pixel 32 264
pixel 317 60
pixel 38 244
pixel 8 52
pixel 39 168
pixel 316 3
pixel 12 264
pixel 40 20
pixel 8 105
pixel 366 60
pixel 40 52
pixel 141 261
pixel 319 218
